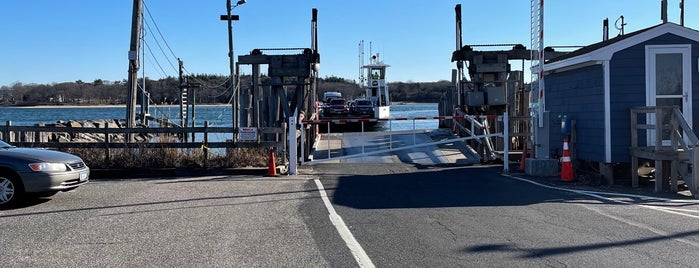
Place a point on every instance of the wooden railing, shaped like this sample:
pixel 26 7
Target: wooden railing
pixel 39 136
pixel 682 152
pixel 120 138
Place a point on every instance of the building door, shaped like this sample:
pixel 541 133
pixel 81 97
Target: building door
pixel 668 83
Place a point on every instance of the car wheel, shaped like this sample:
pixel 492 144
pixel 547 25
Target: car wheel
pixel 10 190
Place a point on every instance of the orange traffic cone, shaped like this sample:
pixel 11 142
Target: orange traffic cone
pixel 522 163
pixel 271 165
pixel 566 165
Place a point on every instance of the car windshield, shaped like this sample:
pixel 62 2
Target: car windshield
pixel 5 145
pixel 337 102
pixel 364 102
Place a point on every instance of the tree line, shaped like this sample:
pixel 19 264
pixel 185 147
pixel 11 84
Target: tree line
pixel 210 89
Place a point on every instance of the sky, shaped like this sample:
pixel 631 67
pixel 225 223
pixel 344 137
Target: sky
pixel 49 41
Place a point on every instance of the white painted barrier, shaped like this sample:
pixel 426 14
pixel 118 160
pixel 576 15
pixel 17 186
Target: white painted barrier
pixel 391 134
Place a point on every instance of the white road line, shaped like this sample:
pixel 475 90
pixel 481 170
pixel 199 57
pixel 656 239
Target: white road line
pixel 598 195
pixel 640 225
pixel 357 251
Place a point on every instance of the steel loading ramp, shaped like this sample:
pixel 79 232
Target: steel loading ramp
pixel 425 147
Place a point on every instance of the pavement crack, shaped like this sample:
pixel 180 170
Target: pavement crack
pixel 453 235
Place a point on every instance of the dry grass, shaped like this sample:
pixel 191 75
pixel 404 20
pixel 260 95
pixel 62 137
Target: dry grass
pixel 173 158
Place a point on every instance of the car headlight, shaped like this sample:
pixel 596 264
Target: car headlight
pixel 48 167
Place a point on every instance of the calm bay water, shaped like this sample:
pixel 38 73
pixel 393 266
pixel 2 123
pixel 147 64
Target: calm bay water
pixel 217 115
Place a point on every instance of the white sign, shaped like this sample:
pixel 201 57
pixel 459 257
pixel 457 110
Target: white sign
pixel 247 134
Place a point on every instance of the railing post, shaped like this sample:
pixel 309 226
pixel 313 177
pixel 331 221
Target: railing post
pixel 284 139
pixel 293 158
pixel 363 145
pixel 303 143
pixel 634 146
pixel 473 125
pixel 694 187
pixel 7 135
pixel 205 143
pixel 659 172
pixel 37 136
pixel 506 142
pixel 107 155
pixel 390 134
pixel 674 122
pixel 414 139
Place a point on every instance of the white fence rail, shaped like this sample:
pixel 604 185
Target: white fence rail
pixel 362 122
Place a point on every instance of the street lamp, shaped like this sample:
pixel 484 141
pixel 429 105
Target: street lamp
pixel 230 18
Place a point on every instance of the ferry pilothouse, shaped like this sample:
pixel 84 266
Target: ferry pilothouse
pixel 376 88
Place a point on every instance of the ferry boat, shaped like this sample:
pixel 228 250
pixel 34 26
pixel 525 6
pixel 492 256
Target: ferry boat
pixel 348 115
pixel 376 88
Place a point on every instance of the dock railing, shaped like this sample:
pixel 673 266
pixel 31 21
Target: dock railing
pixel 153 137
pixel 682 150
pixel 336 152
pixel 518 132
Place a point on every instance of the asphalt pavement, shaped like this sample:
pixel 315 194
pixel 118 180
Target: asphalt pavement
pixel 388 214
pixel 410 215
pixel 219 221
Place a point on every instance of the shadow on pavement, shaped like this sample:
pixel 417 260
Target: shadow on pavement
pixel 553 251
pixel 443 187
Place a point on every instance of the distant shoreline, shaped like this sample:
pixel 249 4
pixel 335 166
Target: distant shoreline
pixel 100 106
pixel 164 105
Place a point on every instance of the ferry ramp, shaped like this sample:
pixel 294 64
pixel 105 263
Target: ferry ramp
pixel 424 147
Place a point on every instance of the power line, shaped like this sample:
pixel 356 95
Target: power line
pixel 155 59
pixel 161 37
pixel 154 62
pixel 194 79
pixel 160 47
pixel 155 25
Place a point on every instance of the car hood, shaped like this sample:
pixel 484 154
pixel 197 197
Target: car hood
pixel 39 155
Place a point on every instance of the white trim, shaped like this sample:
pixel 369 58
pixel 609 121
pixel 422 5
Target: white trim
pixel 650 91
pixel 573 67
pixel 607 112
pixel 686 51
pixel 606 52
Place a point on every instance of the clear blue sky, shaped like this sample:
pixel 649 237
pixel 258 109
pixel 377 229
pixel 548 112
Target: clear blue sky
pixel 47 41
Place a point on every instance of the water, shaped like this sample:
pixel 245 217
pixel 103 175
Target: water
pixel 414 110
pixel 217 115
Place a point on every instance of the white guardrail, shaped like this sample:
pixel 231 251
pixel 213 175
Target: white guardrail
pixel 475 119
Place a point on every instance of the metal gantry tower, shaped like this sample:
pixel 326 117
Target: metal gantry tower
pixel 287 94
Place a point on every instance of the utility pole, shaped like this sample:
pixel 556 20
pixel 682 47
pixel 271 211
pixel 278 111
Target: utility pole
pixel 233 79
pixel 133 65
pixel 682 13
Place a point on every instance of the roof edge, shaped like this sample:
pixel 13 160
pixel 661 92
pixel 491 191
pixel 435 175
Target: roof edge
pixel 606 51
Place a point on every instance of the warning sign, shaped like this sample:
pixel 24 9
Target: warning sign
pixel 247 134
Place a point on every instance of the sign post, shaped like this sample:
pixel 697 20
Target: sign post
pixel 292 146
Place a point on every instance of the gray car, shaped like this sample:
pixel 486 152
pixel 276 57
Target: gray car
pixel 37 172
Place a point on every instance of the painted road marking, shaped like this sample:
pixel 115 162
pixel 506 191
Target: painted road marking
pixel 599 195
pixel 357 251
